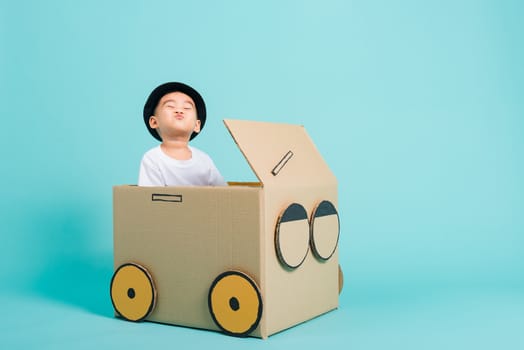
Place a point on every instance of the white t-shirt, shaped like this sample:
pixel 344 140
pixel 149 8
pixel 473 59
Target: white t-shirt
pixel 158 169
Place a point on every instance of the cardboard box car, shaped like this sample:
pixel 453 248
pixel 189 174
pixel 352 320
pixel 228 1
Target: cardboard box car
pixel 247 258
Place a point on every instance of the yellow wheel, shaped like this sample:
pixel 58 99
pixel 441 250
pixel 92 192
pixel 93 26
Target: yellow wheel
pixel 235 303
pixel 132 292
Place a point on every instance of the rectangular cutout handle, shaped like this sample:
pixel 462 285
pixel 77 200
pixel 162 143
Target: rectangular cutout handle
pixel 281 163
pixel 159 197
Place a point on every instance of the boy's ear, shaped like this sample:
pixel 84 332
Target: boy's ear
pixel 153 123
pixel 197 126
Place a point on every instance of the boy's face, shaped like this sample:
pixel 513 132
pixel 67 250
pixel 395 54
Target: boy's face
pixel 175 117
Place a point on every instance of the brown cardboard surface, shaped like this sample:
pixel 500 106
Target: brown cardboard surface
pixel 186 237
pixel 267 148
pixel 294 296
pixel 186 244
pixel 291 295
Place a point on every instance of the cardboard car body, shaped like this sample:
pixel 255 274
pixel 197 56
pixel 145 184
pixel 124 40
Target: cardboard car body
pixel 280 235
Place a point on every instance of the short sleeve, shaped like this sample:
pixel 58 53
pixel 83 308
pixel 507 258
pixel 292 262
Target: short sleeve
pixel 149 174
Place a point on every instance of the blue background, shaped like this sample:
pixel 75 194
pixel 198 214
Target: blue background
pixel 416 106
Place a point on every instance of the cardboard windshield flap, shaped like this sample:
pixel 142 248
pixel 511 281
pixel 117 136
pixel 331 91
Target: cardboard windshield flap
pixel 248 259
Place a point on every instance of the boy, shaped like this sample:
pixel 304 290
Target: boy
pixel 174 114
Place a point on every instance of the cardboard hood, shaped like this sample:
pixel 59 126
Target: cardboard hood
pixel 280 154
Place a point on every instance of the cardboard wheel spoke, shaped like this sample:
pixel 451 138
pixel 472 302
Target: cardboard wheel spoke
pixel 292 236
pixel 133 293
pixel 235 303
pixel 325 230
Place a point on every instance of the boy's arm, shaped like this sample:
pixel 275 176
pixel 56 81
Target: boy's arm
pixel 215 178
pixel 149 174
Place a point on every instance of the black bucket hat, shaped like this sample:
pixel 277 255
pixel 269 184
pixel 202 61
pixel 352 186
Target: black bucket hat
pixel 164 89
